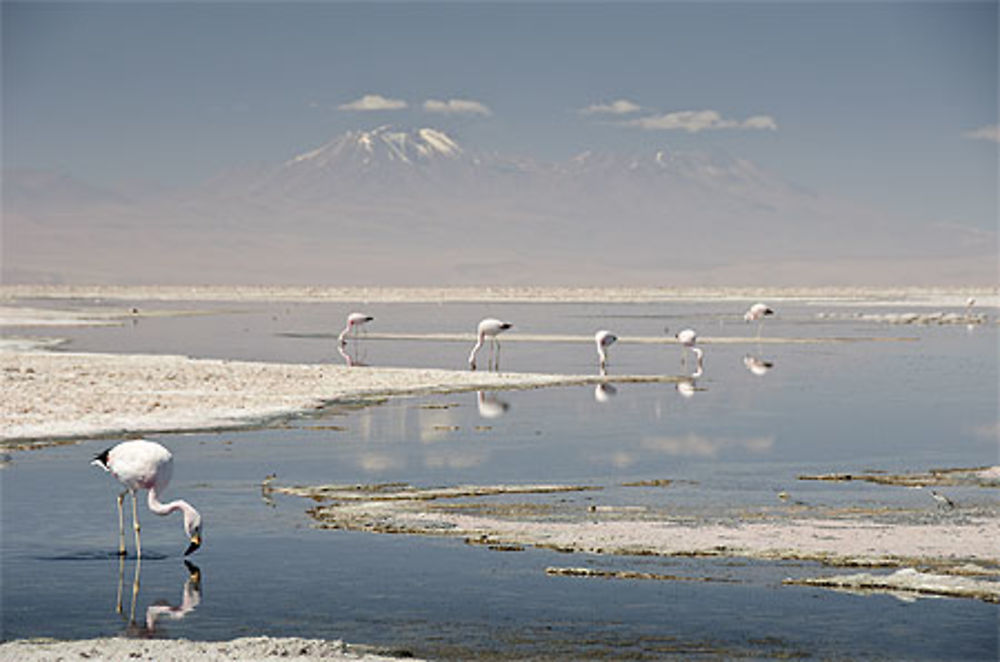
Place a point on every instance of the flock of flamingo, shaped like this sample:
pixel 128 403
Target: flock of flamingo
pixel 140 464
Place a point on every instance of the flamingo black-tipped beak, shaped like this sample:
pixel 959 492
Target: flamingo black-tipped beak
pixel 195 544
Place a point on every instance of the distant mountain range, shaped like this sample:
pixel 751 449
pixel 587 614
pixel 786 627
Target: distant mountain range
pixel 396 206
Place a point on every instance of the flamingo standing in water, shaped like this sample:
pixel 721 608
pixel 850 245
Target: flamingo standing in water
pixel 354 320
pixel 604 339
pixel 146 465
pixel 489 327
pixel 688 338
pixel 756 313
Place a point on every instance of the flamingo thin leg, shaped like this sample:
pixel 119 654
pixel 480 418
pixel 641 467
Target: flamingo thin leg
pixel 135 524
pixel 121 526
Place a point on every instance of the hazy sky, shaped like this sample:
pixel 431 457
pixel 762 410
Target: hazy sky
pixel 892 104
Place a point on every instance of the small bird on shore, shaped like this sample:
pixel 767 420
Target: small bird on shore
pixel 942 499
pixel 604 339
pixel 146 465
pixel 354 320
pixel 488 328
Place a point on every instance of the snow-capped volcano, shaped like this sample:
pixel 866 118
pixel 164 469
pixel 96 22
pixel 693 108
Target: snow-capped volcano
pixel 414 205
pixel 383 144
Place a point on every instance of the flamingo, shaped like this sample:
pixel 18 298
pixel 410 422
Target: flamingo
pixel 353 320
pixel 757 312
pixel 604 339
pixel 146 465
pixel 491 327
pixel 688 337
pixel 699 354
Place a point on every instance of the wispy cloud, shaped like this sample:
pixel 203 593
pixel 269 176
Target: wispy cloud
pixel 694 121
pixel 373 102
pixel 457 107
pixel 619 107
pixel 990 132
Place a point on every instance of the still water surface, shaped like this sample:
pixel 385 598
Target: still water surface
pixel 926 400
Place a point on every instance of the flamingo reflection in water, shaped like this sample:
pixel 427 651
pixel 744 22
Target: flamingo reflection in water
pixel 161 609
pixel 490 406
pixel 757 366
pixel 605 391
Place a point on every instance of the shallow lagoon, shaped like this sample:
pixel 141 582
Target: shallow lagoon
pixel 924 402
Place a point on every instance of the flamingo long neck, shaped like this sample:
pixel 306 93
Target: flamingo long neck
pixel 475 350
pixel 166 508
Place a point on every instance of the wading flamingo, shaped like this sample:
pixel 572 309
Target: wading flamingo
pixel 604 339
pixel 687 338
pixel 756 313
pixel 354 320
pixel 491 328
pixel 146 465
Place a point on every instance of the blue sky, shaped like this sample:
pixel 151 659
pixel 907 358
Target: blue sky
pixel 892 104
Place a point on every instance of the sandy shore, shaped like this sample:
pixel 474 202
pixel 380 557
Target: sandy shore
pixel 63 395
pixel 249 649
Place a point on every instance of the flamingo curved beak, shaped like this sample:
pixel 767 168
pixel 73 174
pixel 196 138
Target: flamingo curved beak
pixel 195 544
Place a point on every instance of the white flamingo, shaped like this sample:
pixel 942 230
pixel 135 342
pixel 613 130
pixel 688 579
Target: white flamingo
pixel 688 338
pixel 491 328
pixel 757 312
pixel 354 320
pixel 146 465
pixel 604 339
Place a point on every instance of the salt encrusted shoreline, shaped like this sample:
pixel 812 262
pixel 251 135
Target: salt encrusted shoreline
pixel 64 395
pixel 986 296
pixel 245 649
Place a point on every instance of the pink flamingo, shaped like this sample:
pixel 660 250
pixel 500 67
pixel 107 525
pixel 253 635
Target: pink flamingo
pixel 757 312
pixel 354 320
pixel 489 327
pixel 146 465
pixel 604 339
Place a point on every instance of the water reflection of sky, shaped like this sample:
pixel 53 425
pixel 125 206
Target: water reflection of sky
pixel 730 439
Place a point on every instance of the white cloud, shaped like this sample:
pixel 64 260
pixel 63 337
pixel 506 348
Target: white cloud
pixel 457 106
pixel 619 107
pixel 989 132
pixel 374 102
pixel 694 121
pixel 760 122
